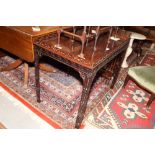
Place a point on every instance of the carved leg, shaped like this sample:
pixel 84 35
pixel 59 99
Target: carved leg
pixel 126 81
pixel 152 97
pixel 139 50
pixel 14 65
pixel 26 74
pixel 37 76
pixel 87 82
pixel 117 69
pixel 128 52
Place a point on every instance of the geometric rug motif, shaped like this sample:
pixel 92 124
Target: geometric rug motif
pixel 128 109
pixel 60 92
pixel 104 116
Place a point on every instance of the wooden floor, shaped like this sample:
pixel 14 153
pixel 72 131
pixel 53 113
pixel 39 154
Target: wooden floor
pixel 2 126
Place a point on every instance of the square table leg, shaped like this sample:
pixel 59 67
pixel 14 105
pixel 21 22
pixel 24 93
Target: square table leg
pixel 87 82
pixel 119 60
pixel 37 76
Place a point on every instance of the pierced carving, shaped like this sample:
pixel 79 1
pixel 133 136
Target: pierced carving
pixel 45 46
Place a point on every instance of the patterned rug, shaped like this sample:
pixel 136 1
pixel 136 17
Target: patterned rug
pixel 126 109
pixel 60 92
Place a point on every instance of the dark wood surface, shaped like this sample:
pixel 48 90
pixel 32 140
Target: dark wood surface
pixel 70 50
pixel 87 67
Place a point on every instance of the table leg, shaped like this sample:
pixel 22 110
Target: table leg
pixel 37 76
pixel 139 50
pixel 87 82
pixel 117 68
pixel 26 74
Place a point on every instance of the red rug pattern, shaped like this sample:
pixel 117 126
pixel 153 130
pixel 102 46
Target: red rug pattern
pixel 130 101
pixel 128 108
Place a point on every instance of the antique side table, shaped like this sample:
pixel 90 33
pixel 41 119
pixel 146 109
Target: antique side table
pixel 87 68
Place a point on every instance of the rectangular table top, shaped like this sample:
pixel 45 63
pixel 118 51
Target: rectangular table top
pixel 70 50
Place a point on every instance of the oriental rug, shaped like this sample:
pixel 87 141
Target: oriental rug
pixel 60 93
pixel 126 108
